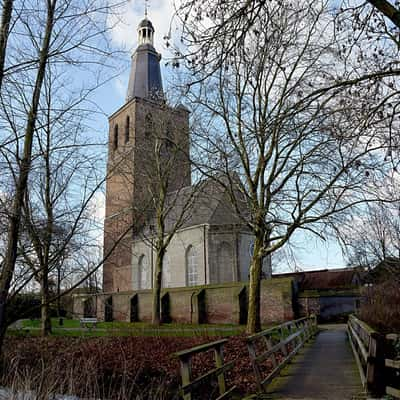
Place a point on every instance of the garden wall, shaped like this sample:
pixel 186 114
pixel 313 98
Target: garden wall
pixel 223 303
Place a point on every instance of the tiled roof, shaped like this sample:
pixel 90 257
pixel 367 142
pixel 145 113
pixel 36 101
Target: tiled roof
pixel 324 279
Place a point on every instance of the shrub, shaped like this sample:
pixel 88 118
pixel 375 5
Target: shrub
pixel 23 306
pixel 380 307
pixel 113 368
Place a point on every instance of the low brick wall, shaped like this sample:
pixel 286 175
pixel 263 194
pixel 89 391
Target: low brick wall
pixel 207 304
pixel 277 300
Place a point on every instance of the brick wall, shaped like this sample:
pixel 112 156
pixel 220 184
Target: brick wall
pixel 211 303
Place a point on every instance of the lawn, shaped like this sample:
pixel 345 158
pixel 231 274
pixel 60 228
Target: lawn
pixel 120 328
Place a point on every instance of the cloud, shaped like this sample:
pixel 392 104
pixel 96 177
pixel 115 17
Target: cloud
pixel 98 204
pixel 120 85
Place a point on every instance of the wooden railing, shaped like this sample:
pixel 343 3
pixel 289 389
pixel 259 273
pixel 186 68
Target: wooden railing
pixel 393 366
pixel 284 340
pixel 368 348
pixel 189 385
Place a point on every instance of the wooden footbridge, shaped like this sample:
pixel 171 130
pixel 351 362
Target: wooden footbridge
pixel 298 360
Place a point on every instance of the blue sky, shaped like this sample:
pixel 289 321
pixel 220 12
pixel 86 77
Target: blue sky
pixel 311 252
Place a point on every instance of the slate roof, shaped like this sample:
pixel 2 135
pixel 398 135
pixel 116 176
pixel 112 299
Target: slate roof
pixel 145 77
pixel 206 203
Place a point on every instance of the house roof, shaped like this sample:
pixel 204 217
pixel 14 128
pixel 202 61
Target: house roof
pixel 324 279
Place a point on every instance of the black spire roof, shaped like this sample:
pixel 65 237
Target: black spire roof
pixel 145 77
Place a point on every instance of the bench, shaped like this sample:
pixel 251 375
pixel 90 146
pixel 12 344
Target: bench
pixel 88 322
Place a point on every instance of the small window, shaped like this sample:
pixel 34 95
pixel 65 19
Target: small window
pixel 116 137
pixel 127 126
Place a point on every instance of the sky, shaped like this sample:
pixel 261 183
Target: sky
pixel 311 253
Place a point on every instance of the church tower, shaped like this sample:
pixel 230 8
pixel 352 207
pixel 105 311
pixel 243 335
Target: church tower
pixel 135 131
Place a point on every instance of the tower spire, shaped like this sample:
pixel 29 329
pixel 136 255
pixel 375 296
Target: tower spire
pixel 146 5
pixel 145 77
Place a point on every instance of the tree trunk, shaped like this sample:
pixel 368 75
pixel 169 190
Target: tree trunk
pixel 156 316
pixel 388 10
pixel 4 31
pixel 45 306
pixel 59 291
pixel 10 258
pixel 253 316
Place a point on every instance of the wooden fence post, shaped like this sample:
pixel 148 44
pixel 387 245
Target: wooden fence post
pixel 375 377
pixel 268 344
pixel 186 374
pixel 283 346
pixel 253 357
pixel 219 362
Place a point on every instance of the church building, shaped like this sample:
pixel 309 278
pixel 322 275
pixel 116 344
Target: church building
pixel 211 245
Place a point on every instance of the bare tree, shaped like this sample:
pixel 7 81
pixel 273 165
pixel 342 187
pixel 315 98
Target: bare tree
pixel 170 152
pixel 305 139
pixel 57 33
pixel 163 194
pixel 378 9
pixel 56 218
pixel 20 190
pixel 371 235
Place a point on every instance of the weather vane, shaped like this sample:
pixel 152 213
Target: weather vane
pixel 146 5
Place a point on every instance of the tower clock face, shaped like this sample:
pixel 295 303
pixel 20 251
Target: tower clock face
pixel 251 249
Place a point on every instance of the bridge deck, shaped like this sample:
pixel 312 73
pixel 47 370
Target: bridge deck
pixel 325 369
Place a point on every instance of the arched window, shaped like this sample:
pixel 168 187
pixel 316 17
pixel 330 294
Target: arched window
pixel 144 273
pixel 127 127
pixel 225 263
pixel 116 136
pixel 166 272
pixel 192 276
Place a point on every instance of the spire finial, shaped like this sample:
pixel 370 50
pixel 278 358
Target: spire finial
pixel 146 6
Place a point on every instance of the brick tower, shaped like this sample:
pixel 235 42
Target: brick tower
pixel 133 131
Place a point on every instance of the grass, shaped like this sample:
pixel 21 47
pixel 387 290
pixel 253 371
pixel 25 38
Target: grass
pixel 120 328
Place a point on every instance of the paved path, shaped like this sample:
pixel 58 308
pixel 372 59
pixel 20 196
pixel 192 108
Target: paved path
pixel 323 370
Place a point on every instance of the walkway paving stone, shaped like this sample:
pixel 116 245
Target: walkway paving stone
pixel 324 370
